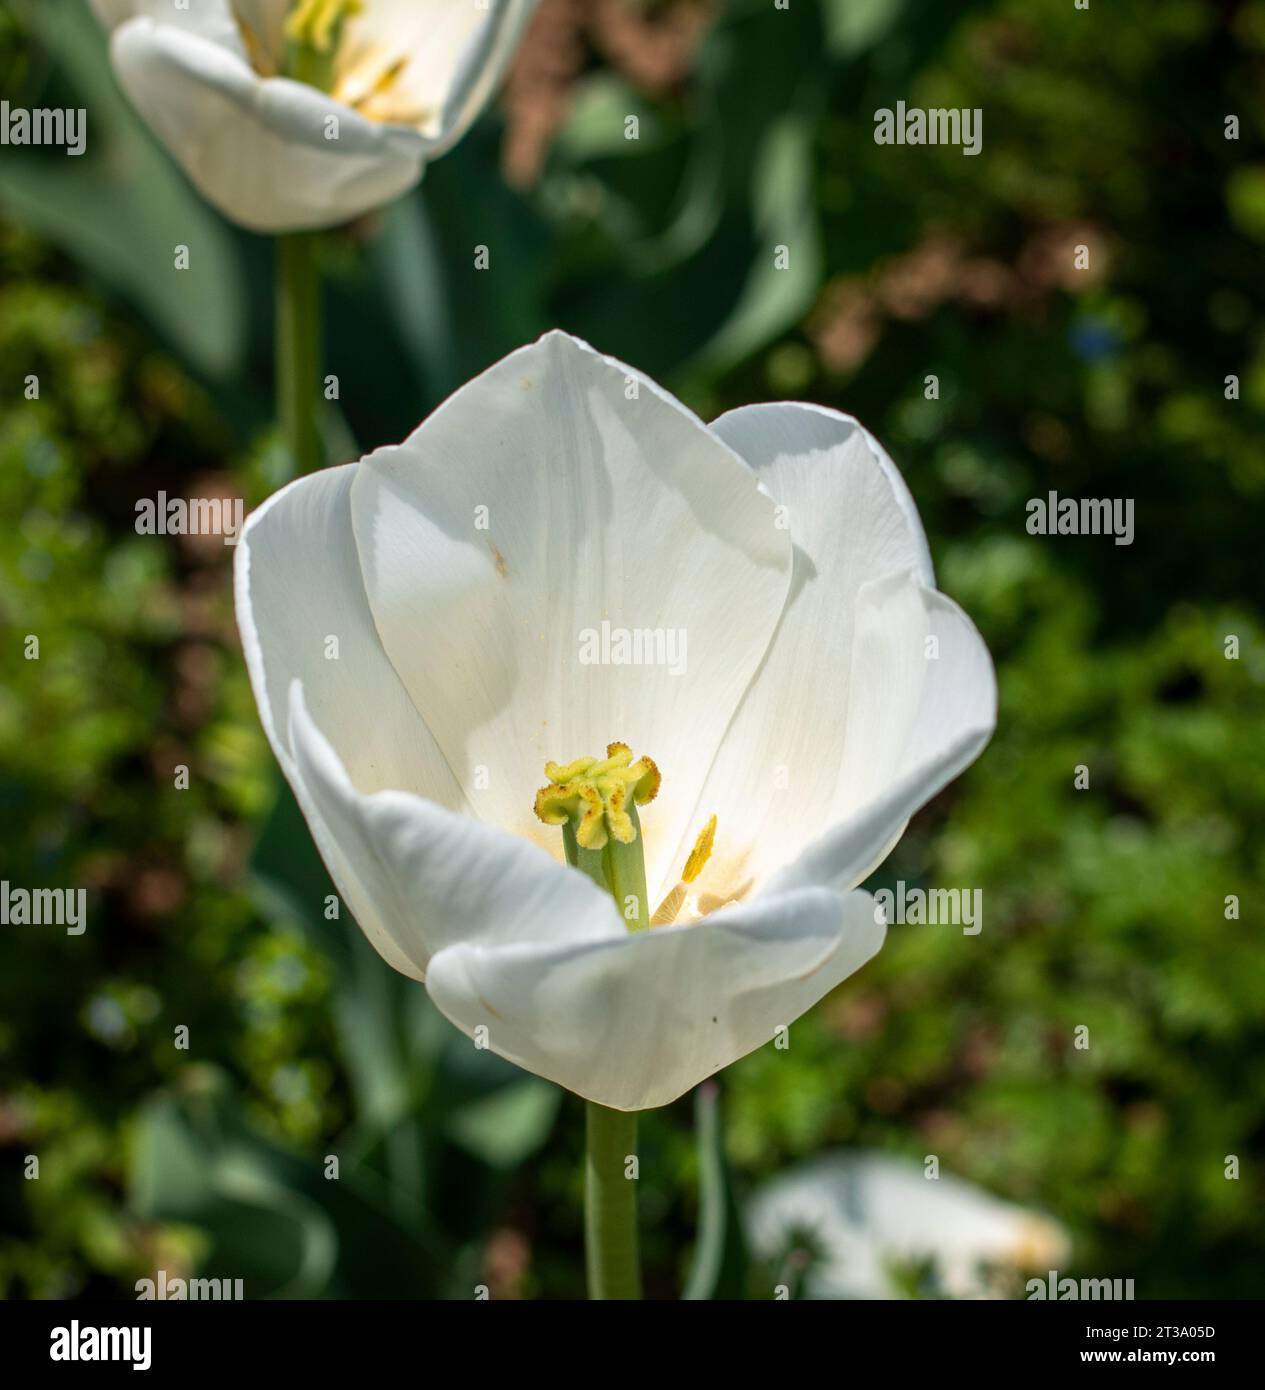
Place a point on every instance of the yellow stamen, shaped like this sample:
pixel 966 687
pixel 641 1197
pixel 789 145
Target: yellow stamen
pixel 385 80
pixel 315 22
pixel 369 81
pixel 701 852
pixel 666 913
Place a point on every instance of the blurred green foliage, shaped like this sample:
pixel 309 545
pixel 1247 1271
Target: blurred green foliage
pixel 1103 907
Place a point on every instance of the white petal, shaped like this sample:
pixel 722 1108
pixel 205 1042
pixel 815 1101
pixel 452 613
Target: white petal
pixel 923 705
pixel 841 489
pixel 481 67
pixel 303 614
pixel 425 878
pixel 778 778
pixel 869 1214
pixel 598 508
pixel 208 19
pixel 634 1022
pixel 298 586
pixel 259 149
pixel 454 53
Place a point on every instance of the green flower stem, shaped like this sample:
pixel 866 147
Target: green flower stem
pixel 299 349
pixel 610 1197
pixel 610 1204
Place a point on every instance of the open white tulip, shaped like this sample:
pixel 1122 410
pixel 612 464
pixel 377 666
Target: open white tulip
pixel 389 85
pixel 420 629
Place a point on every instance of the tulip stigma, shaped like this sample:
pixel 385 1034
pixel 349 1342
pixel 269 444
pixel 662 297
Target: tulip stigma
pixel 595 802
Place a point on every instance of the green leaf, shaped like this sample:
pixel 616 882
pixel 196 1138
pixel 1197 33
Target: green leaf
pixel 407 258
pixel 775 297
pixel 508 1126
pixel 719 1268
pixel 389 1052
pixel 855 26
pixel 271 1217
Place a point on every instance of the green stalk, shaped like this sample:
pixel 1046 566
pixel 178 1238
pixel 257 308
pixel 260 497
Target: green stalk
pixel 610 1197
pixel 610 1204
pixel 299 349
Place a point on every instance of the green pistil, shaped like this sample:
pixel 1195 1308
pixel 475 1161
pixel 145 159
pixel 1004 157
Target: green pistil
pixel 314 29
pixel 594 802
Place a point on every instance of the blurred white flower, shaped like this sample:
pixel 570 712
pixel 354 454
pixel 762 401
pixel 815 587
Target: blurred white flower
pixel 414 625
pixel 388 85
pixel 862 1217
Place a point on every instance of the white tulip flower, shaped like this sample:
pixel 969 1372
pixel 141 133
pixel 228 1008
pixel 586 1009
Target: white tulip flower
pixel 867 1214
pixel 563 560
pixel 291 115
